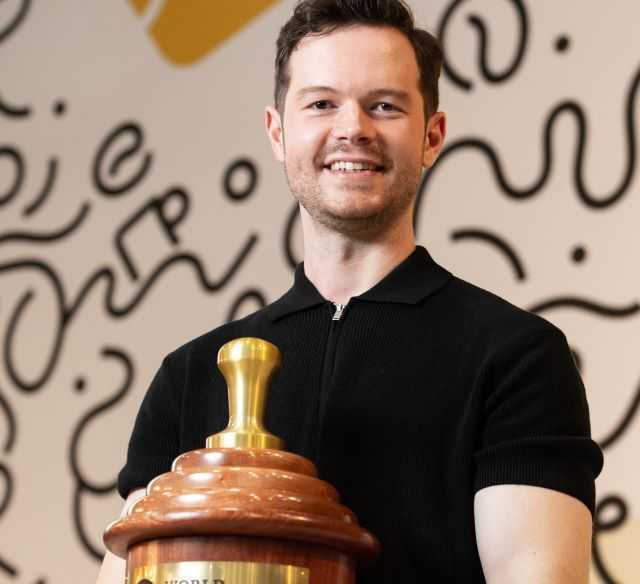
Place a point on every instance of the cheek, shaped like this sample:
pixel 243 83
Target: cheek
pixel 304 136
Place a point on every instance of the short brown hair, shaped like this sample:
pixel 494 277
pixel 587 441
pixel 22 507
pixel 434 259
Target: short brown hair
pixel 321 17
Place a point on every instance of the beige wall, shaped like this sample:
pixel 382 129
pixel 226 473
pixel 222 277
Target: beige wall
pixel 117 114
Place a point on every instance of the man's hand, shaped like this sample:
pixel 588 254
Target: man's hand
pixel 532 535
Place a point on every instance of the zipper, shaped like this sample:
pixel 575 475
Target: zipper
pixel 339 309
pixel 337 313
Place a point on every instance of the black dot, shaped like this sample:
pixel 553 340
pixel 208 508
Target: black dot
pixel 80 384
pixel 562 43
pixel 579 254
pixel 59 107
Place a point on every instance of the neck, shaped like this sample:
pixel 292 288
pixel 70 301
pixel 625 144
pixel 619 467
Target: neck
pixel 340 266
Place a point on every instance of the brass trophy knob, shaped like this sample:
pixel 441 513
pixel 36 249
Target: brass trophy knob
pixel 247 365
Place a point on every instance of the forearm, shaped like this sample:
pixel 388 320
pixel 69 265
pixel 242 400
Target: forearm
pixel 112 570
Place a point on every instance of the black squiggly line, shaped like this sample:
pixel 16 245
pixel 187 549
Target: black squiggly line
pixel 251 293
pixel 67 312
pixel 83 485
pixel 78 521
pixel 52 173
pixel 293 216
pixel 52 236
pixel 477 22
pixel 99 159
pixel 498 242
pixel 14 111
pixel 76 434
pixel 19 165
pixel 624 424
pixel 11 424
pixel 8 568
pixel 587 305
pixel 12 372
pixel 489 75
pixel 8 491
pixel 169 224
pixel 569 107
pixel 106 274
pixel 601 525
pixel 21 14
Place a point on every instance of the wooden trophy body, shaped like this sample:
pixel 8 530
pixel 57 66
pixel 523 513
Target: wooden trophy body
pixel 241 511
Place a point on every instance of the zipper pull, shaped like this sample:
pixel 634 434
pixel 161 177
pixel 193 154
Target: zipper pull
pixel 337 315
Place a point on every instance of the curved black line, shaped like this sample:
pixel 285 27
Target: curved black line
pixel 489 75
pixel 11 424
pixel 79 524
pixel 587 305
pixel 19 173
pixel 499 243
pixel 52 173
pixel 67 311
pixel 476 21
pixel 12 372
pixel 7 568
pixel 107 275
pixel 621 428
pixel 111 190
pixel 52 236
pixel 252 293
pixel 8 493
pixel 76 434
pixel 293 216
pixel 14 111
pixel 600 526
pixel 567 107
pixel 55 282
pixel 251 168
pixel 447 69
pixel 17 20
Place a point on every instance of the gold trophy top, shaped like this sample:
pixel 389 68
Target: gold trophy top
pixel 247 365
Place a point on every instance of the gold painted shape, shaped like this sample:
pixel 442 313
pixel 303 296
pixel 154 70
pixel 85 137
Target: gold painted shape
pixel 187 30
pixel 247 365
pixel 218 572
pixel 139 5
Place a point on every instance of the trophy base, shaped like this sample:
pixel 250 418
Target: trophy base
pixel 236 560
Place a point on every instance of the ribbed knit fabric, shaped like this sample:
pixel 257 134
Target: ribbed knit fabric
pixel 427 390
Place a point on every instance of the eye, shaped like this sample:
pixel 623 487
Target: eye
pixel 385 106
pixel 321 104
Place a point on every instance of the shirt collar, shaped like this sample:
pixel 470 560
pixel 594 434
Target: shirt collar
pixel 417 277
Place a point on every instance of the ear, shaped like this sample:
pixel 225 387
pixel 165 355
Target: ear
pixel 273 125
pixel 434 138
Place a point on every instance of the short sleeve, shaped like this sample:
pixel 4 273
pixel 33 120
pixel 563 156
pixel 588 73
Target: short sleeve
pixel 536 428
pixel 154 442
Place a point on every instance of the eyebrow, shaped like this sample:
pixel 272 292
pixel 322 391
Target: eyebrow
pixel 380 92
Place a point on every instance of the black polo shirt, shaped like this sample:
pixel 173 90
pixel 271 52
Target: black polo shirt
pixel 426 390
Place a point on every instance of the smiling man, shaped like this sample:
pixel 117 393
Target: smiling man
pixel 454 424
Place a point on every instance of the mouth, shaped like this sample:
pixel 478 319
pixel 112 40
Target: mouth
pixel 354 168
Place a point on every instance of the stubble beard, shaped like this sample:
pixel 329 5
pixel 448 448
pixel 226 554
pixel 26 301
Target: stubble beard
pixel 398 200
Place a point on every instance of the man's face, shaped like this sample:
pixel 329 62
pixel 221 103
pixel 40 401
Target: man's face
pixel 353 136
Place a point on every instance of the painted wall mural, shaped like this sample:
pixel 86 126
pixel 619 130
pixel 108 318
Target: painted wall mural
pixel 140 206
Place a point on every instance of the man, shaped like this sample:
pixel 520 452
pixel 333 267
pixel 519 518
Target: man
pixel 454 424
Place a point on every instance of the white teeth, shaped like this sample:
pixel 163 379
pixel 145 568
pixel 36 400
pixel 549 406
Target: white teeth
pixel 352 166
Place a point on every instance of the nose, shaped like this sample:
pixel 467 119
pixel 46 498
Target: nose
pixel 353 125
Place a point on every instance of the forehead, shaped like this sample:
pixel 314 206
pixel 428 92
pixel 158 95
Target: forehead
pixel 355 58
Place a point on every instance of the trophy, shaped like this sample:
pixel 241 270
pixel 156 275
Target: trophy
pixel 241 510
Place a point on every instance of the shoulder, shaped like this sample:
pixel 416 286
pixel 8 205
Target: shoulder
pixel 494 320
